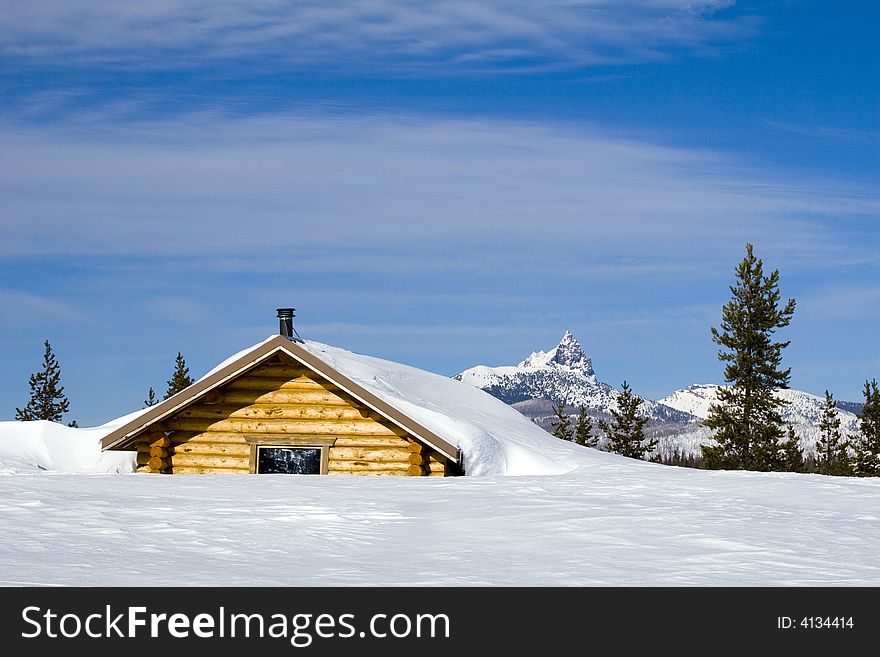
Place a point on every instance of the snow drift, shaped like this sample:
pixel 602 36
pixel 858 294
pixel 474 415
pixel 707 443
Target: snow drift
pixel 43 445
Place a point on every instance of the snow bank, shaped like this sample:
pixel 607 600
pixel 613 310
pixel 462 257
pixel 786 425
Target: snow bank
pixel 42 445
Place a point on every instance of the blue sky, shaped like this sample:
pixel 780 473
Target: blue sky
pixel 443 184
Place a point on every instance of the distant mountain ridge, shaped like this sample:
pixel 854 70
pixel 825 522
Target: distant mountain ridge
pixel 803 412
pixel 565 374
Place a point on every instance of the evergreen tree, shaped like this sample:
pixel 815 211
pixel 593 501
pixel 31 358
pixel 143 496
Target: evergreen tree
pixel 832 457
pixel 626 434
pixel 868 445
pixel 809 463
pixel 180 379
pixel 583 429
pixel 151 398
pixel 561 423
pixel 681 459
pixel 792 455
pixel 47 401
pixel 747 418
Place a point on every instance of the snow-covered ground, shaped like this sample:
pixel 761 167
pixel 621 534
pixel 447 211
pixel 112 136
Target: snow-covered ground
pixel 612 522
pixel 572 516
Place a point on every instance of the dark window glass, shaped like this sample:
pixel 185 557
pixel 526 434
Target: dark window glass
pixel 288 460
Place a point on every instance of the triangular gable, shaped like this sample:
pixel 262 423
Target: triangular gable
pixel 126 436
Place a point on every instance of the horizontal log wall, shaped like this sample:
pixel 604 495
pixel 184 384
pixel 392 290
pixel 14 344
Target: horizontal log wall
pixel 193 470
pixel 286 427
pixel 377 473
pixel 262 411
pixel 382 454
pixel 241 450
pixel 283 401
pixel 348 466
pixel 209 461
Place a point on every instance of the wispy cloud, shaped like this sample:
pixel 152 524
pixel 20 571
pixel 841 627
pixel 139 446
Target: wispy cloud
pixel 517 34
pixel 478 193
pixel 825 132
pixel 34 309
pixel 836 304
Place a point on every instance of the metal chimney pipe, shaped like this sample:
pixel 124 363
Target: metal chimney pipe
pixel 285 322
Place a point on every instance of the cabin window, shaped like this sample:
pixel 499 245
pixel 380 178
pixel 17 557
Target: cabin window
pixel 289 454
pixel 289 460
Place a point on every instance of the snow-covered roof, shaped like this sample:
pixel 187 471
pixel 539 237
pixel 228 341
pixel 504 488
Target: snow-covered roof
pixel 493 437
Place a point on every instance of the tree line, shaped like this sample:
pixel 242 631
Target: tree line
pixel 47 400
pixel 749 432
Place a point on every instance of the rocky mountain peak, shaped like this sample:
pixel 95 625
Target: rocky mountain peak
pixel 568 353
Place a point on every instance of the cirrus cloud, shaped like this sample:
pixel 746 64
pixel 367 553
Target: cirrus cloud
pixel 385 35
pixel 407 185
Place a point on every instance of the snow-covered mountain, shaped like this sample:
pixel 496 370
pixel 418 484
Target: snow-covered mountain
pixel 804 411
pixel 565 374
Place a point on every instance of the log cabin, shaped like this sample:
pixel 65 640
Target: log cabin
pixel 277 408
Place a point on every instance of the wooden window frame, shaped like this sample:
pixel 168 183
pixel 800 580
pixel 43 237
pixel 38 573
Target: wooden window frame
pixel 324 443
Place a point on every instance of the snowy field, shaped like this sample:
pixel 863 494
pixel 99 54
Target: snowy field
pixel 614 522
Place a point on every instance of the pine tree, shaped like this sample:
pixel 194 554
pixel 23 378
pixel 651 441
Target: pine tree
pixel 180 379
pixel 151 398
pixel 832 457
pixel 747 418
pixel 868 444
pixel 792 454
pixel 561 423
pixel 583 429
pixel 47 401
pixel 809 463
pixel 626 435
